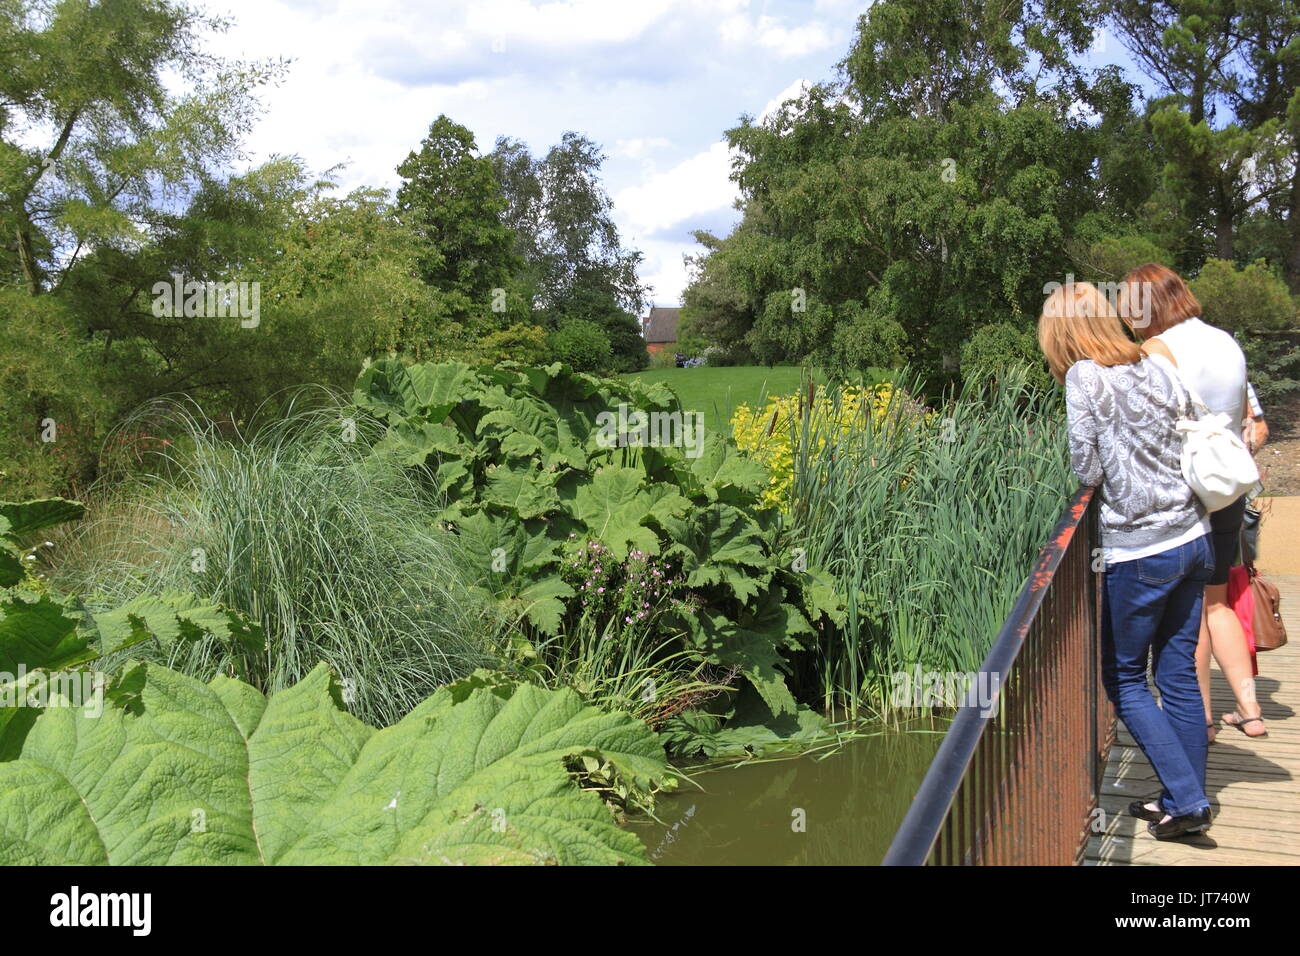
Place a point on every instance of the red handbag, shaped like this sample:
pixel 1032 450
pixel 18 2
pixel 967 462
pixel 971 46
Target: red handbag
pixel 1241 598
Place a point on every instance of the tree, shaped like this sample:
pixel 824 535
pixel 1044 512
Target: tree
pixel 94 140
pixel 574 262
pixel 335 279
pixel 1268 89
pixel 451 199
pixel 1218 169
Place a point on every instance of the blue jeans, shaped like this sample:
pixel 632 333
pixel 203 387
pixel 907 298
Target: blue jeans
pixel 1155 603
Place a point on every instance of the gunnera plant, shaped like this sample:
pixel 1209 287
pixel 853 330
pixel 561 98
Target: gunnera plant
pixel 332 550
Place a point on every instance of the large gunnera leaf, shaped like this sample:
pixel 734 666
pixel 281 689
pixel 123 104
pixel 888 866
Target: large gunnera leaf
pixel 219 774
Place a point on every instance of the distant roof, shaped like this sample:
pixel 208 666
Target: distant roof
pixel 661 324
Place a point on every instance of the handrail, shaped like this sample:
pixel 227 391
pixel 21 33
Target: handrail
pixel 915 840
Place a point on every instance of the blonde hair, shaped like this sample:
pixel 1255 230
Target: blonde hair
pixel 1078 323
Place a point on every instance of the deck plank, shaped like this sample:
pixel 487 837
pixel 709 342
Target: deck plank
pixel 1252 784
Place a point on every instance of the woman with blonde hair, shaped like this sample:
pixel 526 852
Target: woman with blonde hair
pixel 1162 311
pixel 1122 407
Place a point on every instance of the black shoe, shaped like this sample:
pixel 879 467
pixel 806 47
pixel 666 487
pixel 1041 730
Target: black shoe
pixel 1138 808
pixel 1198 821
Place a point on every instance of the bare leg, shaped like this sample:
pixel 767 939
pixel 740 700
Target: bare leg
pixel 1203 674
pixel 1228 643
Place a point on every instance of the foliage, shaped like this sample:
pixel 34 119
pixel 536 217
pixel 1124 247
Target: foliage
pixel 574 262
pixel 1252 299
pixel 964 155
pixel 863 339
pixel 771 434
pixel 928 530
pixel 623 648
pixel 1274 364
pixel 471 775
pixel 529 456
pixel 626 342
pixel 43 394
pixel 331 552
pixel 110 110
pixel 1005 345
pixel 1111 258
pixel 583 345
pixel 451 199
pixel 46 636
pixel 521 342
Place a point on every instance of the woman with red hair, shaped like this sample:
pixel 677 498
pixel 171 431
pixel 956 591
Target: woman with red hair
pixel 1162 311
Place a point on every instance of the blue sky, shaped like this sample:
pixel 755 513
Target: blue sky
pixel 655 82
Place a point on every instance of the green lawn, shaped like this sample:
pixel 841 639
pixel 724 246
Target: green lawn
pixel 716 391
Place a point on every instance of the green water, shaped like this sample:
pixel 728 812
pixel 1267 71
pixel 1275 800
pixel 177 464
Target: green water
pixel 838 810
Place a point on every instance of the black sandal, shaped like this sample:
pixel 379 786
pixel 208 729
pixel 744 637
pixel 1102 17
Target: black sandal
pixel 1240 723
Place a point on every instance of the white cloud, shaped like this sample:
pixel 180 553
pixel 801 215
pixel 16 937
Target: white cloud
pixel 691 188
pixel 791 92
pixel 664 269
pixel 655 83
pixel 770 34
pixel 638 147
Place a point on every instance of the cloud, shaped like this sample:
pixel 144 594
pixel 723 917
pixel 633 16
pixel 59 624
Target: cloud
pixel 692 188
pixel 771 35
pixel 638 147
pixel 791 92
pixel 654 82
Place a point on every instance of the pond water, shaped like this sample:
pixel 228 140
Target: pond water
pixel 813 810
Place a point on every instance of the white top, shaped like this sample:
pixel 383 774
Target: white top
pixel 1212 363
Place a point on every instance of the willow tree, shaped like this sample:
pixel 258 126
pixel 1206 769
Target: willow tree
pixel 107 111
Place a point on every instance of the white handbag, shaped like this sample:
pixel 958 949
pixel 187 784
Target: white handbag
pixel 1216 462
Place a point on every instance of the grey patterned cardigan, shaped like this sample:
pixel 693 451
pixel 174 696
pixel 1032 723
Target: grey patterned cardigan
pixel 1122 438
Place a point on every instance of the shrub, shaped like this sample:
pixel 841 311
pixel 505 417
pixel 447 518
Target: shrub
pixel 718 356
pixel 52 402
pixel 583 345
pixel 664 358
pixel 771 434
pixel 627 345
pixel 996 348
pixel 518 343
pixel 1111 258
pixel 863 339
pixel 537 462
pixel 1274 364
pixel 1252 299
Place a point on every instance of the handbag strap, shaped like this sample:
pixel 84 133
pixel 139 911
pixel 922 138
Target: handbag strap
pixel 1187 395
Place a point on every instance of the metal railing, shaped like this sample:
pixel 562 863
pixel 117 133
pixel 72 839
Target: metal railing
pixel 1017 783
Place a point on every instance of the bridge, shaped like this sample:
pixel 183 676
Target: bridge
pixel 1046 778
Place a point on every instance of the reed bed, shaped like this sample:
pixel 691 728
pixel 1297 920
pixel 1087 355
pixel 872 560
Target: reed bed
pixel 930 519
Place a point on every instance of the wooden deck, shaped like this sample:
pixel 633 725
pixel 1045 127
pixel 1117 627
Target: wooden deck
pixel 1253 785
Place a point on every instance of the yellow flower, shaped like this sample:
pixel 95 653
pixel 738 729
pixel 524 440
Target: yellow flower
pixel 769 434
